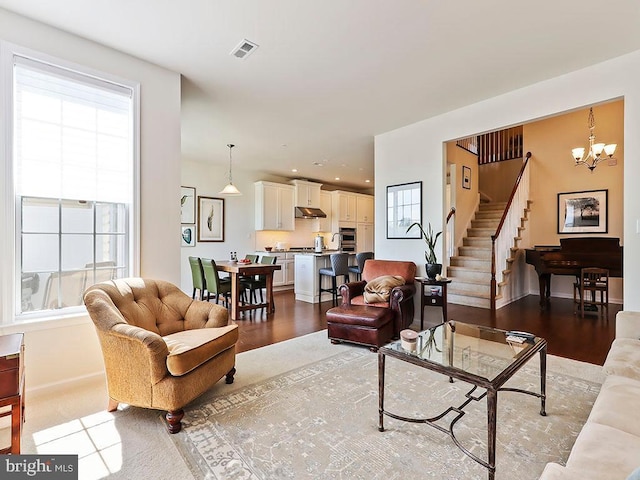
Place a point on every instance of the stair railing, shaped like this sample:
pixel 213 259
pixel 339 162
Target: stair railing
pixel 501 241
pixel 450 234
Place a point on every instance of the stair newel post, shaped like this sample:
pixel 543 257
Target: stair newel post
pixel 493 292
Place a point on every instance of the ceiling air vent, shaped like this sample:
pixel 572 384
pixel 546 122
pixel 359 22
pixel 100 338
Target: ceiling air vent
pixel 244 49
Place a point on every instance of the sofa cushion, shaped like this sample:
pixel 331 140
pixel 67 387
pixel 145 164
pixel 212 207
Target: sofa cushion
pixel 553 471
pixel 359 315
pixel 603 452
pixel 624 358
pixel 379 289
pixel 191 348
pixel 359 300
pixel 612 407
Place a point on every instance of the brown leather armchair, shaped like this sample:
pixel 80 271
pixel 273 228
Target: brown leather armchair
pixel 161 348
pixel 401 298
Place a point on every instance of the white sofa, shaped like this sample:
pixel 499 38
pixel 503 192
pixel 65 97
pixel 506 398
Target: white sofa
pixel 608 446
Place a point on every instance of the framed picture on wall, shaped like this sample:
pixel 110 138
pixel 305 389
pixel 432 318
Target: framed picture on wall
pixel 210 219
pixel 404 207
pixel 583 212
pixel 187 205
pixel 466 177
pixel 188 236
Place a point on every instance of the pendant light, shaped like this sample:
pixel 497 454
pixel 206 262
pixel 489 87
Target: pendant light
pixel 230 189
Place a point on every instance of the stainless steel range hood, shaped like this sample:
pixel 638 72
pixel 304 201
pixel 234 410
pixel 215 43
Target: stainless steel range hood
pixel 308 212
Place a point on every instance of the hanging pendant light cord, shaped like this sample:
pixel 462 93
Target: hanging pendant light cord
pixel 230 145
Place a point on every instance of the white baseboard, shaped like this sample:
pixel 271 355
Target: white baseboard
pixel 51 388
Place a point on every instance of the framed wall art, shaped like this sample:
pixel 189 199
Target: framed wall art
pixel 404 207
pixel 210 219
pixel 187 205
pixel 466 177
pixel 583 212
pixel 188 236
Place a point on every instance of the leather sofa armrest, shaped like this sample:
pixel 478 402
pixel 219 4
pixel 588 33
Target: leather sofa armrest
pixel 401 294
pixel 351 290
pixel 628 324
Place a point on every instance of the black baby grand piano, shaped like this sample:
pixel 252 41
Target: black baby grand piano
pixel 572 255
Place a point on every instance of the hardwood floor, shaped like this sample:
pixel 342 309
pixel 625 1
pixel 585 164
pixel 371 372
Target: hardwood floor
pixel 568 335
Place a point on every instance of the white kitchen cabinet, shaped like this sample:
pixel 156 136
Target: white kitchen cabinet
pixel 307 194
pixel 274 206
pixel 324 224
pixel 364 237
pixel 344 206
pixel 286 275
pixel 289 271
pixel 364 209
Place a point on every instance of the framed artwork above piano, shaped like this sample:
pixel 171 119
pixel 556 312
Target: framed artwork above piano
pixel 583 212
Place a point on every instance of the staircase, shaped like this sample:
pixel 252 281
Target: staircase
pixel 470 270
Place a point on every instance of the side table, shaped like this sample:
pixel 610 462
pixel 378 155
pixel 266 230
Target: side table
pixel 12 386
pixel 433 299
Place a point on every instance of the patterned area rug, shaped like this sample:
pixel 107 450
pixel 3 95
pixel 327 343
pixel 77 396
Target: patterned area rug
pixel 320 421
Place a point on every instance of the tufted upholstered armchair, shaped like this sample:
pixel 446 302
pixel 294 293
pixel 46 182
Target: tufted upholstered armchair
pixel 401 298
pixel 161 348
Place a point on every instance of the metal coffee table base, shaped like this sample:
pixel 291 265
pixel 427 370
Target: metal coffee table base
pixel 492 404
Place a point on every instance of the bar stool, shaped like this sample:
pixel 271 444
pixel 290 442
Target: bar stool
pixel 360 259
pixel 339 267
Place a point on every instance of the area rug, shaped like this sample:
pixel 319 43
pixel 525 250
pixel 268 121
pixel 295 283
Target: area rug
pixel 320 421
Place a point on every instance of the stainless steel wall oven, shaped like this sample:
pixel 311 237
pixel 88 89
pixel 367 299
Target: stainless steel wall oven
pixel 347 239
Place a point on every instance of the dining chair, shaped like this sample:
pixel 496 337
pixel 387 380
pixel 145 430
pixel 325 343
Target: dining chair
pixel 216 286
pixel 259 282
pixel 339 267
pixel 197 277
pixel 592 280
pixel 360 259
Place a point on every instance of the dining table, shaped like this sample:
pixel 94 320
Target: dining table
pixel 236 270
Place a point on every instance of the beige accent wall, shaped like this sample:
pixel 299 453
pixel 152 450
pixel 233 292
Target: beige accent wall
pixel 497 179
pixel 466 200
pixel 553 171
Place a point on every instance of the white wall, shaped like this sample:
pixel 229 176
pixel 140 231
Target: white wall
pixel 68 349
pixel 419 148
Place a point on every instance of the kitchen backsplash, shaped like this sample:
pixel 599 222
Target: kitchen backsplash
pixel 302 236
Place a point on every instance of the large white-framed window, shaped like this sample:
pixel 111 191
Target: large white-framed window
pixel 72 182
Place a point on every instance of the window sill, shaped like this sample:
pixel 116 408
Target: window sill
pixel 46 323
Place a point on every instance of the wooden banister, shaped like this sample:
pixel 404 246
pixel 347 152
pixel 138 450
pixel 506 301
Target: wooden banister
pixel 499 230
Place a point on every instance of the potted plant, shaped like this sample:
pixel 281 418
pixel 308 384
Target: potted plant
pixel 433 267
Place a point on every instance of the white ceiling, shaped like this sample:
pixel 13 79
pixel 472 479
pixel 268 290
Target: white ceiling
pixel 331 74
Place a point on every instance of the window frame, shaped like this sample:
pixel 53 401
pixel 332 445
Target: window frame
pixel 10 274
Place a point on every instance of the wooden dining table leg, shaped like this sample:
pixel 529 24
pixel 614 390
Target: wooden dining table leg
pixel 269 280
pixel 235 295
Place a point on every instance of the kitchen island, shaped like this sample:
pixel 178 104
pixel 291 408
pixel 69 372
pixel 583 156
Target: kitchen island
pixel 306 266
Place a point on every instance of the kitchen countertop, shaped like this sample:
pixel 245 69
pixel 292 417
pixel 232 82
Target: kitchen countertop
pixel 306 252
pixel 325 253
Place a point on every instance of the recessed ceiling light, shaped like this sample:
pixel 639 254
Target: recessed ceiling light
pixel 294 170
pixel 367 181
pixel 337 178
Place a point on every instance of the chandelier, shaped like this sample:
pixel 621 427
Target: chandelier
pixel 594 154
pixel 230 189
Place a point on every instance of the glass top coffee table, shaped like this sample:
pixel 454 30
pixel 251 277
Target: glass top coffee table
pixel 481 356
